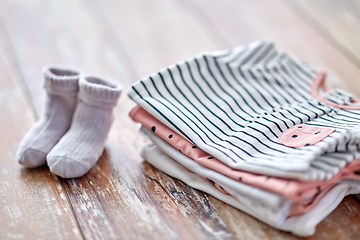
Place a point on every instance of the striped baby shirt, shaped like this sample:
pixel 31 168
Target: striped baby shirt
pixel 258 109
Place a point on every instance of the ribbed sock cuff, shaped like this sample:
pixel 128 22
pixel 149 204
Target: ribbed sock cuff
pixel 60 80
pixel 99 92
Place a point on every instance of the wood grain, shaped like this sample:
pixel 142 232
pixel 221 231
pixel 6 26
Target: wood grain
pixel 122 197
pixel 146 204
pixel 33 203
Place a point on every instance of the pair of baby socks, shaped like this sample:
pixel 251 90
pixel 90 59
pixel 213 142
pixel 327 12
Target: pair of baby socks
pixel 71 133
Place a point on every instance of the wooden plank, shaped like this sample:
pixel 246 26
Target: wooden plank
pixel 121 197
pixel 33 203
pixel 338 21
pixel 148 205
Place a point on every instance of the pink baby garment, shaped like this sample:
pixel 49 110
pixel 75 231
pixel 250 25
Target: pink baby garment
pixel 290 188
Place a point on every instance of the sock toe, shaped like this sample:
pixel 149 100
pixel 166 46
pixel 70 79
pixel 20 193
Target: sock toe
pixel 66 167
pixel 32 158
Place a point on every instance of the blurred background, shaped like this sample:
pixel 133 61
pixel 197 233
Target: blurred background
pixel 126 40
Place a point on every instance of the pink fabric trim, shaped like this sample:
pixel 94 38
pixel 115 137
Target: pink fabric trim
pixel 221 189
pixel 304 135
pixel 319 82
pixel 292 189
pixel 300 207
pixel 306 205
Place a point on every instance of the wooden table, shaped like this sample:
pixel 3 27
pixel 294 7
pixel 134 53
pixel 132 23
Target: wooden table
pixel 123 197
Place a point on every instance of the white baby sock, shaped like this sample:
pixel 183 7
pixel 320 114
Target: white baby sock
pixel 80 148
pixel 61 84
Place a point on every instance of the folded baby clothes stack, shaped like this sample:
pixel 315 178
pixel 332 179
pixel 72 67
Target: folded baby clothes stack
pixel 256 128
